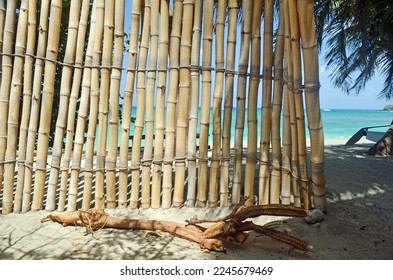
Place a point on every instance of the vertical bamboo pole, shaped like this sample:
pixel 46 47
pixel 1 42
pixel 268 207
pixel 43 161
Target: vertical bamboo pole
pixel 241 99
pixel 76 84
pixel 47 103
pixel 26 106
pixel 13 114
pixel 253 100
pixel 171 103
pixel 114 104
pixel 36 104
pixel 160 105
pixel 217 103
pixel 205 106
pixel 103 108
pixel 65 90
pixel 5 86
pixel 127 104
pixel 2 22
pixel 194 100
pixel 228 102
pixel 298 96
pixel 311 88
pixel 184 91
pixel 89 80
pixel 275 184
pixel 141 101
pixel 149 117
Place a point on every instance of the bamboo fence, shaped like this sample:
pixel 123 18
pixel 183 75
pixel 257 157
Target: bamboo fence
pixel 160 123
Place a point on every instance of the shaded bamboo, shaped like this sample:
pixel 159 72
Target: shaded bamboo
pixel 76 85
pixel 26 106
pixel 183 103
pixel 228 102
pixel 217 103
pixel 241 99
pixel 47 103
pixel 311 88
pixel 2 22
pixel 149 116
pixel 14 102
pixel 65 90
pixel 89 89
pixel 255 69
pixel 103 109
pixel 194 103
pixel 36 104
pixel 127 102
pixel 141 101
pixel 160 105
pixel 205 106
pixel 171 103
pixel 114 104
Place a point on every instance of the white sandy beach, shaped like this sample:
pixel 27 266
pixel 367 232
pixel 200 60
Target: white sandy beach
pixel 358 225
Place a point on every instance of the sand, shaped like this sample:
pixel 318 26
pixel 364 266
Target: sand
pixel 358 224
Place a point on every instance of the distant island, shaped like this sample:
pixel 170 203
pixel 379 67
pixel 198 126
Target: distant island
pixel 388 107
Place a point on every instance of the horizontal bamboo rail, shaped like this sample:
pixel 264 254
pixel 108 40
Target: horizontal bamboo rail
pixel 172 79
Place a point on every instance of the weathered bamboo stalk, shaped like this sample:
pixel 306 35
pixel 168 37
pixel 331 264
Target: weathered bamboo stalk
pixel 13 114
pixel 311 88
pixel 65 90
pixel 76 85
pixel 253 100
pixel 205 106
pixel 194 106
pixel 26 106
pixel 47 103
pixel 114 104
pixel 171 103
pixel 183 103
pixel 241 99
pixel 89 89
pixel 149 116
pixel 127 104
pixel 5 87
pixel 36 104
pixel 275 183
pixel 2 22
pixel 228 102
pixel 217 103
pixel 160 105
pixel 103 107
pixel 141 101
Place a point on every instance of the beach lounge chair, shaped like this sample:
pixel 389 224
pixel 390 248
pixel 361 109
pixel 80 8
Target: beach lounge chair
pixel 371 135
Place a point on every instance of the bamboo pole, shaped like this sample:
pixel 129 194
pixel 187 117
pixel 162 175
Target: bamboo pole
pixel 114 104
pixel 194 103
pixel 228 102
pixel 36 104
pixel 127 104
pixel 241 99
pixel 89 80
pixel 2 22
pixel 253 100
pixel 141 101
pixel 311 88
pixel 275 184
pixel 205 106
pixel 160 105
pixel 5 86
pixel 26 106
pixel 13 114
pixel 76 85
pixel 171 103
pixel 65 90
pixel 149 117
pixel 103 109
pixel 217 103
pixel 47 103
pixel 184 92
